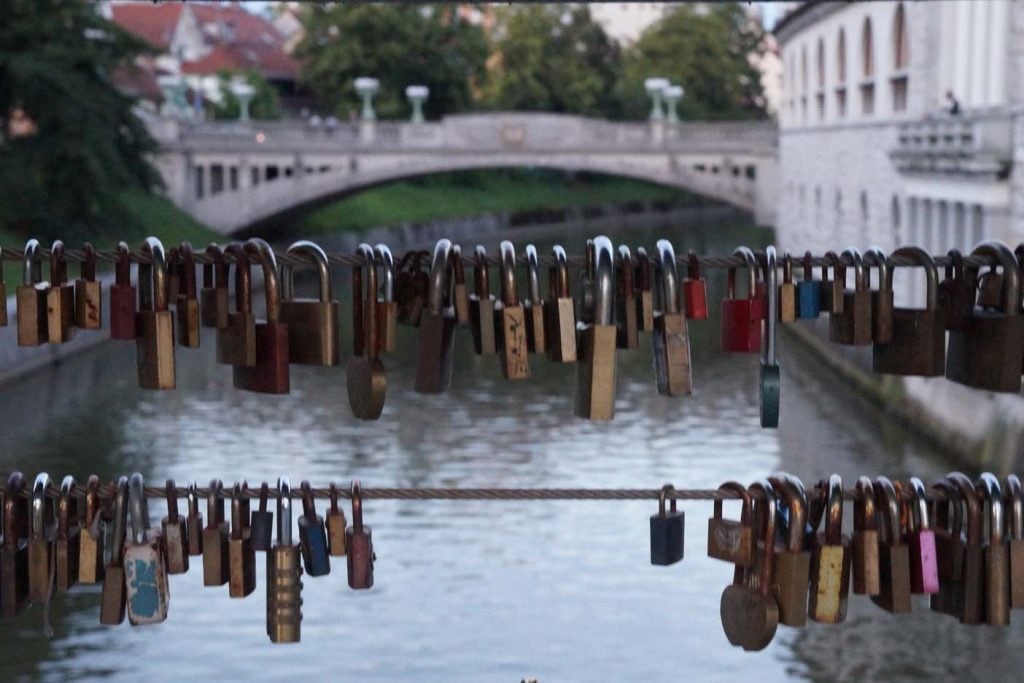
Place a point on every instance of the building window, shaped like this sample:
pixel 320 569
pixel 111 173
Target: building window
pixel 977 224
pixel 960 227
pixel 900 51
pixel 819 95
pixel 216 179
pixel 803 84
pixel 894 218
pixel 867 88
pixel 841 75
pixel 839 210
pixel 200 182
pixel 233 177
pixel 254 176
pixel 864 228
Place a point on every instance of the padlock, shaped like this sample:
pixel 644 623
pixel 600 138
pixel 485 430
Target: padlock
pixel 187 305
pixel 852 326
pixel 987 355
pixel 145 570
pixel 559 311
pixel 510 320
pixel 172 282
pixel 88 293
pixel 956 292
pixel 918 344
pixel 997 553
pixel 949 550
pixel 830 560
pixel 595 372
pixel 625 300
pixel 893 554
pixel 1013 504
pixel 194 521
pixel 114 597
pixel 60 298
pixel 741 318
pixel 730 540
pixel 990 285
pixel 695 290
pixel 667 530
pixel 312 535
pixel 31 299
pixel 123 298
pixel 261 525
pixel 759 609
pixel 787 291
pixel 643 276
pixel 241 554
pixel 284 575
pixel 365 379
pixel 175 532
pixel 881 298
pixel 670 341
pixel 154 347
pixel 213 297
pixel 336 525
pixel 3 292
pixel 359 544
pixel 236 343
pixel 792 560
pixel 411 288
pixel 387 309
pixel 866 580
pixel 972 578
pixel 215 538
pixel 436 341
pixel 808 292
pixel 920 539
pixel 14 549
pixel 482 305
pixel 41 541
pixel 67 546
pixel 741 593
pixel 770 375
pixel 833 287
pixel 533 307
pixel 270 374
pixel 313 324
pixel 90 544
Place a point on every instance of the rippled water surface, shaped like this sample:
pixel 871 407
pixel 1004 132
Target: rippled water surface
pixel 478 591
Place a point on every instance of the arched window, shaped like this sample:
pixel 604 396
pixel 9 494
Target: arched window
pixel 900 47
pixel 867 49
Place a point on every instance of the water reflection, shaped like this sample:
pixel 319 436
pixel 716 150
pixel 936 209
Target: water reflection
pixel 476 591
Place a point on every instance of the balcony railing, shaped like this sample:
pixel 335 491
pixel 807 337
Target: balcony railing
pixel 978 145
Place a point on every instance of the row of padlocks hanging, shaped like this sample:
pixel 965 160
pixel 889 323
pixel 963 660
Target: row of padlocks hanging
pixel 618 297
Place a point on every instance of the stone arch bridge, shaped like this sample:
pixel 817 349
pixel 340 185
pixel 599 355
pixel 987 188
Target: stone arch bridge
pixel 232 176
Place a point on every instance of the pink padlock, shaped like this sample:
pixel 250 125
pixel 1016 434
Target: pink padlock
pixel 924 568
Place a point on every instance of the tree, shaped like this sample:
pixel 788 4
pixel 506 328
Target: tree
pixel 708 49
pixel 265 103
pixel 400 45
pixel 70 143
pixel 554 58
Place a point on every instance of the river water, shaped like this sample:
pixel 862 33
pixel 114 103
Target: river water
pixel 479 591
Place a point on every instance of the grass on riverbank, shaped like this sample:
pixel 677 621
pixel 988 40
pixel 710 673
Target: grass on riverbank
pixel 467 193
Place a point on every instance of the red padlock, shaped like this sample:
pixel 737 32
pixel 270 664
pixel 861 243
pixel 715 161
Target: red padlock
pixel 741 318
pixel 695 290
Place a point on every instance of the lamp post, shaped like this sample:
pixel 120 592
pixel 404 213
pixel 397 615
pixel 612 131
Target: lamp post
pixel 417 95
pixel 655 87
pixel 673 94
pixel 244 92
pixel 366 88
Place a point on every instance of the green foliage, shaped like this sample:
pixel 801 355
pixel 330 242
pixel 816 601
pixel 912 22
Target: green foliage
pixel 56 61
pixel 707 49
pixel 399 44
pixel 264 105
pixel 554 58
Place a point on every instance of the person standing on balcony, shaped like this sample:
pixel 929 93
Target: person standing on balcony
pixel 954 104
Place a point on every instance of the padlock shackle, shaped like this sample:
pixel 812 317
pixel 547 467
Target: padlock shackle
pixel 956 263
pixel 954 502
pixel 796 500
pixel 264 495
pixel 988 487
pixel 838 275
pixel 642 271
pixel 215 504
pixel 284 512
pixel 87 268
pixel 357 507
pixel 888 512
pixel 603 281
pixel 771 324
pixel 313 252
pixel 864 506
pixel 856 259
pixel 171 496
pixel 12 498
pixel 308 504
pixel 439 285
pixel 745 499
pixel 92 501
pixel 364 304
pixel 67 485
pixel 921 519
pixel 787 268
pixel 333 489
pixel 667 491
pixel 975 520
pixel 153 277
pixel 215 274
pixel 808 266
pixel 383 259
pixel 533 276
pixel 558 274
pixel 624 284
pixel 265 253
pixel 692 265
pixel 874 256
pixel 58 264
pixel 765 518
pixel 1014 500
pixel 481 277
pixel 192 499
pixel 751 265
pixel 139 509
pixel 666 276
pixel 1011 272
pixel 834 510
pixel 120 508
pixel 931 272
pixel 239 509
pixel 32 271
pixel 39 489
pixel 509 291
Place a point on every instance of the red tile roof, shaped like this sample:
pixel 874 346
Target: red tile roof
pixel 154 23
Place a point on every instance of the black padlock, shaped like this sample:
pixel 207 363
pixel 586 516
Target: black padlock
pixel 261 523
pixel 313 536
pixel 667 530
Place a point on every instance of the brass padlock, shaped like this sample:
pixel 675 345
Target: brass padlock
pixel 313 324
pixel 270 374
pixel 670 341
pixel 336 525
pixel 88 293
pixel 241 554
pixel 14 579
pixel 284 575
pixel 90 545
pixel 997 553
pixel 642 277
pixel 31 299
pixel 792 559
pixel 787 291
pixel 865 540
pixel 731 540
pixel 175 532
pixel 213 297
pixel 187 305
pixel 236 343
pixel 113 601
pixel 1014 506
pixel 918 341
pixel 60 298
pixel 893 555
pixel 832 286
pixel 215 538
pixel 387 317
pixel 560 311
pixel 68 537
pixel 595 373
pixel 154 346
pixel 853 324
pixel 881 298
pixel 194 521
pixel 830 560
pixel 435 343
pixel 510 320
pixel 359 543
pixel 460 291
pixel 481 307
pixel 534 304
pixel 625 300
pixel 365 378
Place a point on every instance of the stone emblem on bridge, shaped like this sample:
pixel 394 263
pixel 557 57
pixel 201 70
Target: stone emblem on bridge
pixel 513 134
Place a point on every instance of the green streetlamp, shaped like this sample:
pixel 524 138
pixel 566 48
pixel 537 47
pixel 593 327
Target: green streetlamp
pixel 655 87
pixel 417 95
pixel 366 88
pixel 673 94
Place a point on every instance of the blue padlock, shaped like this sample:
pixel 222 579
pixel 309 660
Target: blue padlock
pixel 808 292
pixel 313 536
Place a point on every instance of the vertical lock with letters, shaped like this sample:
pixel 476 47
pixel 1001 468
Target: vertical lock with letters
pixel 741 318
pixel 213 297
pixel 642 278
pixel 215 538
pixel 533 307
pixel 261 524
pixel 918 343
pixel 695 290
pixel 41 541
pixel 482 306
pixel 114 597
pixel 436 343
pixel 14 549
pixel 595 371
pixel 881 298
pixel 830 560
pixel 731 540
pixel 560 311
pixel 236 342
pixel 90 544
pixel 175 532
pixel 313 536
pixel 31 299
pixel 144 569
pixel 313 324
pixel 69 537
pixel 154 347
pixel 270 374
pixel 124 304
pixel 510 320
pixel 241 554
pixel 284 575
pixel 625 300
pixel 387 317
pixel 365 379
pixel 88 293
pixel 852 325
pixel 60 298
pixel 770 375
pixel 359 544
pixel 667 530
pixel 808 292
pixel 670 341
pixel 186 303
